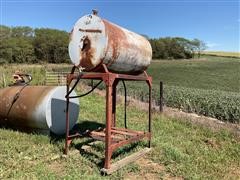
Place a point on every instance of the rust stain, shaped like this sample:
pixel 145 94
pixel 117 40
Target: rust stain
pixel 124 52
pixel 86 54
pixel 24 107
pixel 116 39
pixel 99 67
pixel 144 47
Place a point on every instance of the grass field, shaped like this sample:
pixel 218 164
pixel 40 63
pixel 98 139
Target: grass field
pixel 217 73
pixel 180 149
pixel 208 86
pixel 222 53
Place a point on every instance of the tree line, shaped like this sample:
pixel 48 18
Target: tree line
pixel 28 45
pixel 176 48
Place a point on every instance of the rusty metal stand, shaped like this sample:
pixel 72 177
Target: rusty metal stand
pixel 113 136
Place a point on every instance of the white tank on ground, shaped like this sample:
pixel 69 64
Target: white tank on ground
pixel 38 107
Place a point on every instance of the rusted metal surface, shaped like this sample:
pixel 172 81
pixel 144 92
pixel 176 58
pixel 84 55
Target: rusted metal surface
pixel 113 136
pixel 95 41
pixel 21 110
pixel 34 107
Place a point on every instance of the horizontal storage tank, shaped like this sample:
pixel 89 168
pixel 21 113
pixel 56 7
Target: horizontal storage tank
pixel 95 41
pixel 38 107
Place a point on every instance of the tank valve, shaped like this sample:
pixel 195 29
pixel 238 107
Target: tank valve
pixel 95 12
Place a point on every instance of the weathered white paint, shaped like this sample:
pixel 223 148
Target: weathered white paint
pixel 134 52
pixel 38 107
pixel 50 114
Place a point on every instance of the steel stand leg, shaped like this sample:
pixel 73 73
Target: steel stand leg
pixel 125 104
pixel 114 102
pixel 108 150
pixel 150 113
pixel 67 123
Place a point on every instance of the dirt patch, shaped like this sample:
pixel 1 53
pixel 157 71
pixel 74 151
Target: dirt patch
pixel 57 168
pixel 234 173
pixel 150 170
pixel 212 143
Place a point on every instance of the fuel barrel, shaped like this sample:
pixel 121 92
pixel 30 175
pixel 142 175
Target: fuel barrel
pixel 37 107
pixel 95 41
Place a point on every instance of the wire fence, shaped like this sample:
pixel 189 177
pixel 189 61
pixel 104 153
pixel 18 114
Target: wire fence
pixel 55 78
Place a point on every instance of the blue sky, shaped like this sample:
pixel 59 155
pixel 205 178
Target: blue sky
pixel 216 22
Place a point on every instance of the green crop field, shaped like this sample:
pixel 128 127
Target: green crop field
pixel 213 73
pixel 217 73
pixel 180 150
pixel 208 86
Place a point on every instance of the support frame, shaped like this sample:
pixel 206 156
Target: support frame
pixel 110 133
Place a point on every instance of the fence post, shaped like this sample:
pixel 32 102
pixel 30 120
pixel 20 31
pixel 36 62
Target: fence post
pixel 161 97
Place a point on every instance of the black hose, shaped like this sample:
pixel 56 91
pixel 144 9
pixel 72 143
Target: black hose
pixel 88 91
pixel 15 98
pixel 75 84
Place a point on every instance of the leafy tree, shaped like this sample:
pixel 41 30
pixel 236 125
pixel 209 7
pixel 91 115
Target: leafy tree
pixel 22 50
pixel 199 46
pixel 5 32
pixel 16 45
pixel 22 31
pixel 23 44
pixel 51 45
pixel 175 48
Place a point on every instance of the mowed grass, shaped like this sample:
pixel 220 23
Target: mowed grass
pixel 216 73
pixel 185 150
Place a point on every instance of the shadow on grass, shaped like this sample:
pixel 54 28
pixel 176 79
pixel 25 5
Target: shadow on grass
pixel 80 128
pixel 22 129
pixel 96 152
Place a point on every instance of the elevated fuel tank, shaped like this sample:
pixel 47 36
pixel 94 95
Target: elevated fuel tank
pixel 95 41
pixel 38 107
